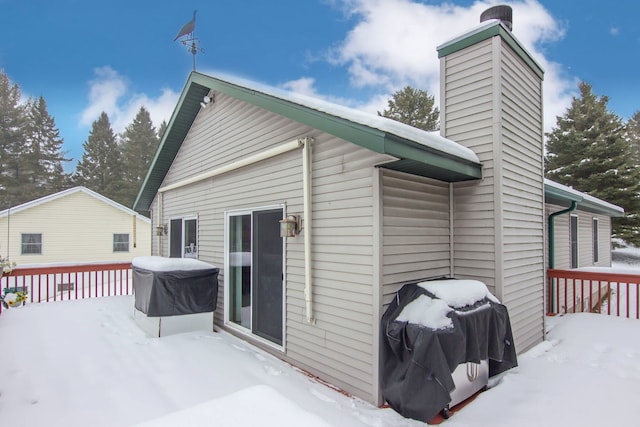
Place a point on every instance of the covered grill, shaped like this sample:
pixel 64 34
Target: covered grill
pixel 432 329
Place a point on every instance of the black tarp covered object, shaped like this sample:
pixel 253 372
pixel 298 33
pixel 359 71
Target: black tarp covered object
pixel 175 292
pixel 417 361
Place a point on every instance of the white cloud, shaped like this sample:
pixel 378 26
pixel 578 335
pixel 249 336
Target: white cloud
pixel 614 31
pixel 393 44
pixel 110 92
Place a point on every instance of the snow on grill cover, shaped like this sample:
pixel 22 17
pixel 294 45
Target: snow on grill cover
pixel 174 286
pixel 428 330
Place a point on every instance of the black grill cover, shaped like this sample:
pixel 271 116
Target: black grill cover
pixel 170 293
pixel 418 361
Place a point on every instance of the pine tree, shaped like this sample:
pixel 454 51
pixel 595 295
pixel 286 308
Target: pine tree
pixel 162 129
pixel 43 151
pixel 633 133
pixel 100 169
pixel 138 143
pixel 414 107
pixel 588 150
pixel 12 135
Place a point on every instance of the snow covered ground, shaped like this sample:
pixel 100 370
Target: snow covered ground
pixel 85 362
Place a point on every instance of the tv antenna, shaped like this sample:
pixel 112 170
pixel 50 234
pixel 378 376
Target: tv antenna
pixel 188 38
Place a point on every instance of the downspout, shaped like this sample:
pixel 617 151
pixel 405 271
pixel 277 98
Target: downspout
pixel 451 233
pixel 572 208
pixel 158 222
pixel 134 231
pixel 8 231
pixel 308 226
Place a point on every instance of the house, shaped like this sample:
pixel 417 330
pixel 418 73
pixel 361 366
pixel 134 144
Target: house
pixel 71 226
pixel 372 204
pixel 579 227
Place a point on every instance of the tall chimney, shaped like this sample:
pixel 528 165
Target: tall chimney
pixel 491 102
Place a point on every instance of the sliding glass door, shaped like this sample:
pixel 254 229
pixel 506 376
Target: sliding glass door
pixel 255 272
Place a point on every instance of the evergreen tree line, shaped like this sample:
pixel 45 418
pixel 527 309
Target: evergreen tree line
pixel 590 149
pixel 32 158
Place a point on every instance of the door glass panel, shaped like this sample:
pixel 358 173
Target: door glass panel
pixel 175 239
pixel 267 275
pixel 240 270
pixel 190 244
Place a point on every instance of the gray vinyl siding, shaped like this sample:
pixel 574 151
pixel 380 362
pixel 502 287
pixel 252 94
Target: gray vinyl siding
pixel 492 103
pixel 340 347
pixel 523 198
pixel 415 230
pixel 466 91
pixel 585 239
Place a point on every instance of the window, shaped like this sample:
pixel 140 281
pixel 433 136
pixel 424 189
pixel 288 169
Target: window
pixel 183 238
pixel 31 244
pixel 573 238
pixel 120 243
pixel 596 247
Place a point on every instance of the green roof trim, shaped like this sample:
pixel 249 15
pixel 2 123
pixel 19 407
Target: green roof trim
pixel 487 31
pixel 414 157
pixel 183 116
pixel 561 195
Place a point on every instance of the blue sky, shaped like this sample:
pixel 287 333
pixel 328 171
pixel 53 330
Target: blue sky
pixel 85 57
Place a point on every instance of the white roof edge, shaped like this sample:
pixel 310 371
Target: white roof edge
pixel 584 196
pixel 63 193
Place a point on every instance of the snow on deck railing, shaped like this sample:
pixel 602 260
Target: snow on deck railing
pixel 69 282
pixel 576 291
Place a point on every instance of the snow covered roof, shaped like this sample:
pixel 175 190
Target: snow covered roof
pixel 415 151
pixel 556 193
pixel 64 193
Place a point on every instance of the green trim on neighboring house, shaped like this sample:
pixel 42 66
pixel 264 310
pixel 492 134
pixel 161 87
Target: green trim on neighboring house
pixel 413 156
pixel 494 28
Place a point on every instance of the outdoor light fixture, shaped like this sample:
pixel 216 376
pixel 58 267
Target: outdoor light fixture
pixel 161 230
pixel 290 226
pixel 206 100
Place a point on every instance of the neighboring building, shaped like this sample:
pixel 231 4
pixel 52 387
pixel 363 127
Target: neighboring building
pixel 73 226
pixel 381 204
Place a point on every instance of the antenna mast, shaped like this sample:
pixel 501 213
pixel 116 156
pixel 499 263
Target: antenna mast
pixel 193 47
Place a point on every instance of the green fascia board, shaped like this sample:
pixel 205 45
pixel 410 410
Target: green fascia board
pixel 183 116
pixel 359 134
pixel 560 197
pixel 429 163
pixel 494 28
pixel 365 136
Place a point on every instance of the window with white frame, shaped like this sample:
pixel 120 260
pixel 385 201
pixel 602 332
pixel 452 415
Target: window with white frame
pixel 31 244
pixel 121 242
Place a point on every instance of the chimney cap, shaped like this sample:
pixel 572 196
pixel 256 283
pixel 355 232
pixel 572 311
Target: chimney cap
pixel 502 12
